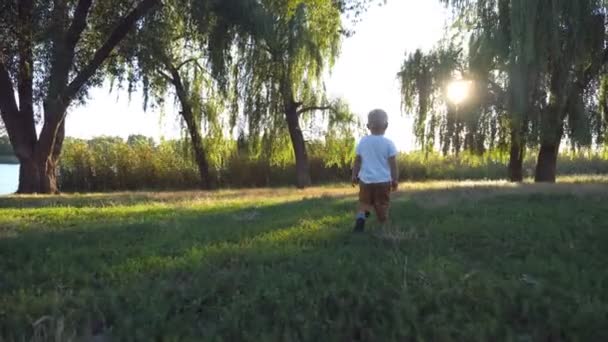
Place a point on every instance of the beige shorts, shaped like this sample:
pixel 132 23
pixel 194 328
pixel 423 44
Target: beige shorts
pixel 376 196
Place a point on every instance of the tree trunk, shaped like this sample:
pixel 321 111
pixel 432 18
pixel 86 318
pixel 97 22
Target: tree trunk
pixel 193 126
pixel 445 147
pixel 47 168
pixel 299 146
pixel 551 137
pixel 546 166
pixel 516 159
pixel 38 166
pixel 38 174
pixel 29 177
pixel 469 142
pixel 199 150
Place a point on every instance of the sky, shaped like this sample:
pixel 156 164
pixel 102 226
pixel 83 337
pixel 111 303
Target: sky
pixel 364 75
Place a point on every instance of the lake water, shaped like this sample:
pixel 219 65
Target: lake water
pixel 9 178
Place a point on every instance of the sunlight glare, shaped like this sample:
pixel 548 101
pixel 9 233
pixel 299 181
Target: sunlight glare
pixel 458 91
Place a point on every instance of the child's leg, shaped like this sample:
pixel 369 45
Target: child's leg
pixel 381 200
pixel 365 205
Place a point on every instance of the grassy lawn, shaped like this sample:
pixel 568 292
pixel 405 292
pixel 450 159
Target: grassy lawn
pixel 468 261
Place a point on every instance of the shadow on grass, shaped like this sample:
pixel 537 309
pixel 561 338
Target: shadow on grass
pixel 166 232
pixel 119 265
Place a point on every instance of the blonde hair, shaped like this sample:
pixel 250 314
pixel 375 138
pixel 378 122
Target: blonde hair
pixel 377 119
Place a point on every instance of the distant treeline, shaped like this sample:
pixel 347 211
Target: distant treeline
pixel 111 164
pixel 7 156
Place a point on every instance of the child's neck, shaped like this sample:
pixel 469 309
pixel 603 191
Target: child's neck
pixel 378 133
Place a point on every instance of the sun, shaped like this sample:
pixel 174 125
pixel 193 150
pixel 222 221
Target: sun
pixel 458 91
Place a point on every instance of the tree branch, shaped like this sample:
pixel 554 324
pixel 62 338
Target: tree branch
pixel 189 60
pixel 195 60
pixel 78 24
pixel 180 90
pixel 58 18
pixel 8 103
pixel 60 58
pixel 308 109
pixel 123 28
pixel 167 77
pixel 53 127
pixel 25 74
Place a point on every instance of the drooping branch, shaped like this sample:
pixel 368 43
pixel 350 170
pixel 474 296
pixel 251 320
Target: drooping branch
pixel 593 69
pixel 496 88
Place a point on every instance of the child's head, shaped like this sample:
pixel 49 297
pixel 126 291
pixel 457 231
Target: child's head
pixel 377 121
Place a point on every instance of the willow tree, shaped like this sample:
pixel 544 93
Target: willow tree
pixel 438 122
pixel 556 53
pixel 50 54
pixel 187 48
pixel 280 69
pixel 184 52
pixel 475 123
pixel 578 53
pixel 502 66
pixel 509 34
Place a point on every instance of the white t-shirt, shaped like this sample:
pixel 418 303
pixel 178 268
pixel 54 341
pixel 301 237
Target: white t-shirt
pixel 375 150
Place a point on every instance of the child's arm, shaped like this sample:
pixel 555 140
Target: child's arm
pixel 356 170
pixel 392 161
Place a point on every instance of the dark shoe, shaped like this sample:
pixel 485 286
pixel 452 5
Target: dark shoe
pixel 359 226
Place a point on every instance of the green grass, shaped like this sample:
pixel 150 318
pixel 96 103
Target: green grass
pixel 470 261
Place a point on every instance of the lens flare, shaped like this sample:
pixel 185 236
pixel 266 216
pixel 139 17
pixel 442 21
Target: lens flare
pixel 458 91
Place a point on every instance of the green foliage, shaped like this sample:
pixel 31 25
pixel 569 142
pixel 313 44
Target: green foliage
pixel 492 165
pixel 279 50
pixel 424 81
pixel 535 66
pixel 106 163
pixel 111 164
pixel 292 43
pixel 474 262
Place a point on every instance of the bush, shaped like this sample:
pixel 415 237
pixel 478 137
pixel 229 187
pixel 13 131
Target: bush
pixel 110 164
pixel 7 156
